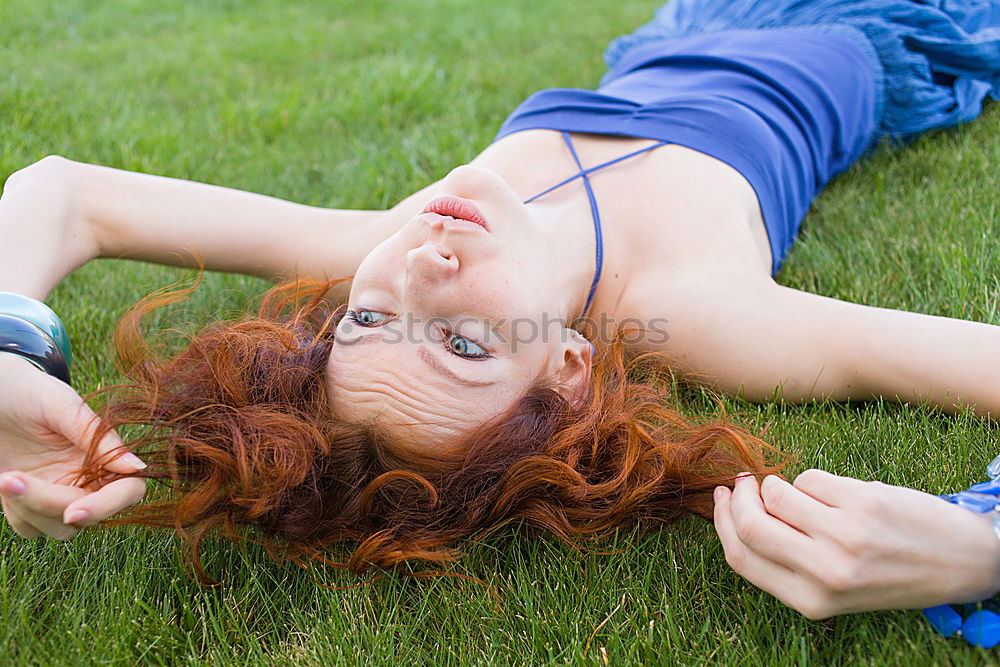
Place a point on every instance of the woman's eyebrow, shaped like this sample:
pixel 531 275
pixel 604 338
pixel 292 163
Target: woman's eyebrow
pixel 360 340
pixel 436 364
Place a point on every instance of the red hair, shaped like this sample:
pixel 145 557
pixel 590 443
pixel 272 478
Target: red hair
pixel 241 431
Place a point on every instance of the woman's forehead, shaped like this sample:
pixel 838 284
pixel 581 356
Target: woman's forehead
pixel 395 388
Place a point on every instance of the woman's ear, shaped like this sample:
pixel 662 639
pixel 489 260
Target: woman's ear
pixel 572 373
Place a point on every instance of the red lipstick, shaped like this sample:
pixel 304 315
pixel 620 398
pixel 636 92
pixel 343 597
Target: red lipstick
pixel 458 208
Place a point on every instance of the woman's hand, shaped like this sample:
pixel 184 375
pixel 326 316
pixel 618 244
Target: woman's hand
pixel 831 545
pixel 45 430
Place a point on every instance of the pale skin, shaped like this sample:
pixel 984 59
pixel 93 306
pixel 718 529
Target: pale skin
pixel 682 230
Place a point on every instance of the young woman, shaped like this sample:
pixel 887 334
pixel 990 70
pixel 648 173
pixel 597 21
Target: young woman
pixel 458 390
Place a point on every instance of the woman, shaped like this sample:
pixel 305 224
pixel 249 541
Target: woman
pixel 458 391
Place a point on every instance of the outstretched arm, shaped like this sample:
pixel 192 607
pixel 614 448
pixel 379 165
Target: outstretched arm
pixel 57 214
pixel 758 337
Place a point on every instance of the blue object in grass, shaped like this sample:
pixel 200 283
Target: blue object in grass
pixel 944 619
pixel 981 627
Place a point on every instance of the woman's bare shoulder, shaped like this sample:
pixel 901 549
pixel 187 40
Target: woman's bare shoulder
pixel 683 303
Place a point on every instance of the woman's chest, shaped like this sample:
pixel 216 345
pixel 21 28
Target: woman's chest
pixel 665 211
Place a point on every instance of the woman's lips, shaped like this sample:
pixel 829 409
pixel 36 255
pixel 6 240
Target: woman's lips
pixel 458 208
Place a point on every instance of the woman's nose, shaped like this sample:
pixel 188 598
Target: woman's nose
pixel 431 262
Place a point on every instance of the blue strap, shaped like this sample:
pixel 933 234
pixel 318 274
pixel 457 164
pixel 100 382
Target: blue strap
pixel 593 169
pixel 598 234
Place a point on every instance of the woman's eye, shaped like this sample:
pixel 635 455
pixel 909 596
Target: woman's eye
pixel 464 347
pixel 367 318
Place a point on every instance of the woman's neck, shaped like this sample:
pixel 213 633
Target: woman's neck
pixel 566 225
pixel 564 215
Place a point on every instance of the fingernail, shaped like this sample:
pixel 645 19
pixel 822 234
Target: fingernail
pixel 13 486
pixel 133 460
pixel 742 477
pixel 718 493
pixel 78 515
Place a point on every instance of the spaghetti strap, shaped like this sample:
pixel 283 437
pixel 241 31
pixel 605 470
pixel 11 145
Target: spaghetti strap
pixel 594 211
pixel 592 169
pixel 598 234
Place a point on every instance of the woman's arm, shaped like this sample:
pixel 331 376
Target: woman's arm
pixel 831 545
pixel 756 337
pixel 57 214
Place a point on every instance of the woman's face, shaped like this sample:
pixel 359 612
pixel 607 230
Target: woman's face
pixel 450 322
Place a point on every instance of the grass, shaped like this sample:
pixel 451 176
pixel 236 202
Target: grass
pixel 355 105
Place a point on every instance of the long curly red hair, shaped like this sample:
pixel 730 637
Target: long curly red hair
pixel 241 432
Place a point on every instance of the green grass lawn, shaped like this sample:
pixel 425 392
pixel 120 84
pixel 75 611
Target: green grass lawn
pixel 355 105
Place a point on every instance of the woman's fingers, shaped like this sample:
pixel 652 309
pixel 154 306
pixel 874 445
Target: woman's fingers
pixel 828 488
pixel 796 508
pixel 18 524
pixel 33 505
pixel 109 499
pixel 778 580
pixel 23 515
pixel 48 526
pixel 67 414
pixel 765 534
pixel 26 493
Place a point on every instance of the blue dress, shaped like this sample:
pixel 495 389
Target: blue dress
pixel 788 93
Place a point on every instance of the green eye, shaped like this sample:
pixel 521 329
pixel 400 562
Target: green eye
pixel 465 348
pixel 367 318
